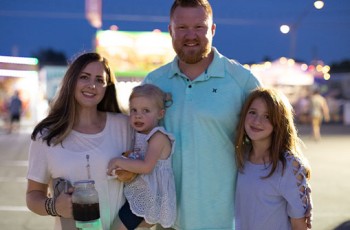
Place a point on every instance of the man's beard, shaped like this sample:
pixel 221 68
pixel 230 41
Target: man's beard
pixel 192 56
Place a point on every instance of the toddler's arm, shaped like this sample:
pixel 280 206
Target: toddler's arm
pixel 159 146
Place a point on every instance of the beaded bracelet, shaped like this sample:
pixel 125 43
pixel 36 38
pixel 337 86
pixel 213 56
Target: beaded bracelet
pixel 50 207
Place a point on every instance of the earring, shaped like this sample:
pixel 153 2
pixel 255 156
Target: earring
pixel 246 138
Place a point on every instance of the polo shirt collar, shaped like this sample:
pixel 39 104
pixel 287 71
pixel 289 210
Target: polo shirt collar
pixel 215 69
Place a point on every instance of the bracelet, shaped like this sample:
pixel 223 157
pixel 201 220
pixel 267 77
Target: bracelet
pixel 50 207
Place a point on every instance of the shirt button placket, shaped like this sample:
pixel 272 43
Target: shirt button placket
pixel 189 90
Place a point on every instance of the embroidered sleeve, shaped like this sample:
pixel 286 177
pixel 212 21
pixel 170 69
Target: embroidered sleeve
pixel 295 187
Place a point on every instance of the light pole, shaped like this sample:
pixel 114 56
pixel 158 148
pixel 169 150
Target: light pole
pixel 292 29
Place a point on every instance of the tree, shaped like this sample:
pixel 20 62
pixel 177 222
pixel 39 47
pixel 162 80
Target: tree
pixel 50 57
pixel 343 66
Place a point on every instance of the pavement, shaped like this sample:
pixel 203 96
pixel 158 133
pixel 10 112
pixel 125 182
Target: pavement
pixel 330 172
pixel 329 159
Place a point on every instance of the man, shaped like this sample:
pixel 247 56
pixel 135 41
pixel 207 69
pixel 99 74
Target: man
pixel 208 90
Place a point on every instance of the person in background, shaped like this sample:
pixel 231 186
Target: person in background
pixel 15 111
pixel 151 195
pixel 319 111
pixel 273 179
pixel 81 134
pixel 208 91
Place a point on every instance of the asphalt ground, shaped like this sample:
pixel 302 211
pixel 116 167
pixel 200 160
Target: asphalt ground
pixel 329 159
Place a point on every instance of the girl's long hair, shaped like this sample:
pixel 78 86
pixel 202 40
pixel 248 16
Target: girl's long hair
pixel 59 122
pixel 284 135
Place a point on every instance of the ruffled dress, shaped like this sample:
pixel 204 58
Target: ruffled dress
pixel 152 196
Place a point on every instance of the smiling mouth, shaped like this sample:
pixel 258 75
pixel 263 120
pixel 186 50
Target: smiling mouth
pixel 254 129
pixel 88 94
pixel 191 44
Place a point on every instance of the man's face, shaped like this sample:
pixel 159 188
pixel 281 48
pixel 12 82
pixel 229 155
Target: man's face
pixel 192 33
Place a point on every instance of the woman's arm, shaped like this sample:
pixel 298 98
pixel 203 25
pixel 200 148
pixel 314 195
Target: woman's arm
pixel 159 147
pixel 36 197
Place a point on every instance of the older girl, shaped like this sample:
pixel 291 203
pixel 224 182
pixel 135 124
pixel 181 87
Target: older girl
pixel 272 186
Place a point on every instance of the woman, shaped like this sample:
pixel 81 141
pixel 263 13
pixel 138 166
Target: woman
pixel 82 132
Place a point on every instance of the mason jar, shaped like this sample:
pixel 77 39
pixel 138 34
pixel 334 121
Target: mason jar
pixel 86 209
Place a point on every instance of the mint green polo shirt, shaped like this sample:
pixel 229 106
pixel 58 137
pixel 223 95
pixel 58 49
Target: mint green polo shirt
pixel 203 118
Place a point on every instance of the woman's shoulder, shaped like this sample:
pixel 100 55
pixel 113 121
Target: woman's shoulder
pixel 40 134
pixel 118 122
pixel 117 117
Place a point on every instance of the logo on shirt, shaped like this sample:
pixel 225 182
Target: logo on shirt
pixel 214 90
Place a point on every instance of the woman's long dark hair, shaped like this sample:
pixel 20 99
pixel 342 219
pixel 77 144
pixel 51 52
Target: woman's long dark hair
pixel 59 122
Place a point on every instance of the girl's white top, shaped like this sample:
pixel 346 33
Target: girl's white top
pixel 152 196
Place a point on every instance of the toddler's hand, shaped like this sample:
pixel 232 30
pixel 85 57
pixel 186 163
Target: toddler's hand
pixel 112 166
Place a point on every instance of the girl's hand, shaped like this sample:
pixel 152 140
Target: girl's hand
pixel 299 223
pixel 112 166
pixel 308 213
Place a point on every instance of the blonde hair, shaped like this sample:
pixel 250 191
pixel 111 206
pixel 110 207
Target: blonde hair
pixel 162 99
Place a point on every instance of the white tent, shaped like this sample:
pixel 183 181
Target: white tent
pixel 283 72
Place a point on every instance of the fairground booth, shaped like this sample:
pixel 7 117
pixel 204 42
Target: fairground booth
pixel 19 74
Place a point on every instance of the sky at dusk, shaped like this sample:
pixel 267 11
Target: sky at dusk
pixel 247 30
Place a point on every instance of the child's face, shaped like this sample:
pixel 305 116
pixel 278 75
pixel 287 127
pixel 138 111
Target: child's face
pixel 144 114
pixel 257 123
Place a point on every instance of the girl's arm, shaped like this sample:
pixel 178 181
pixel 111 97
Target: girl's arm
pixel 299 223
pixel 296 190
pixel 37 195
pixel 159 147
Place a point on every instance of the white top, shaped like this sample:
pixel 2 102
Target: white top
pixel 69 161
pixel 152 196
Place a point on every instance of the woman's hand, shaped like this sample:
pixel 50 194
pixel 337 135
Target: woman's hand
pixel 63 204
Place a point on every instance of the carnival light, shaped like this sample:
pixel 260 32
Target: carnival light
pixel 19 60
pixel 318 4
pixel 18 73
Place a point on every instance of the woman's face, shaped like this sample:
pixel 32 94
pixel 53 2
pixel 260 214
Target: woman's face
pixel 91 85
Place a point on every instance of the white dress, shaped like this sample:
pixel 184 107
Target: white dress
pixel 152 196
